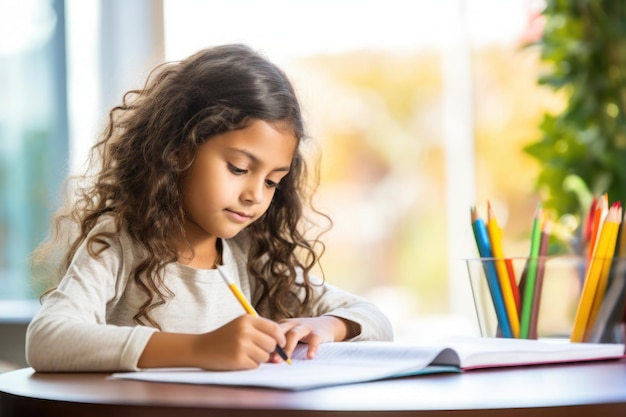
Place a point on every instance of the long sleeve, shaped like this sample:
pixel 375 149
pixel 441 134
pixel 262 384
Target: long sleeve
pixel 332 301
pixel 87 323
pixel 71 330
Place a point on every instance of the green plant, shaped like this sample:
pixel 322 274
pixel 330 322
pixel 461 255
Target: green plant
pixel 582 149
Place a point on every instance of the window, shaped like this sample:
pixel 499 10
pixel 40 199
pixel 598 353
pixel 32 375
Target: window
pixel 33 133
pixel 420 109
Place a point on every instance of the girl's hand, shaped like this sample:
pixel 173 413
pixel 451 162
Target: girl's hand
pixel 314 330
pixel 242 343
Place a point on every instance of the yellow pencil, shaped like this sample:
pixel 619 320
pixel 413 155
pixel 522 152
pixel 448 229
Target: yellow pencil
pixel 495 236
pixel 613 223
pixel 248 307
pixel 592 278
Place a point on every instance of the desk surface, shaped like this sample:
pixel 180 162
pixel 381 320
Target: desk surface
pixel 597 388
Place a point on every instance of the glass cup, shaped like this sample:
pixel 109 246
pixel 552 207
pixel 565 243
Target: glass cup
pixel 560 280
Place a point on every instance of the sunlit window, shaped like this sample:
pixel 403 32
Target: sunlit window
pixel 33 133
pixel 419 109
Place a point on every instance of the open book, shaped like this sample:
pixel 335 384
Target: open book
pixel 352 362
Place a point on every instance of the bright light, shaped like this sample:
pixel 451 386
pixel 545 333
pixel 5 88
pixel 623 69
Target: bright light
pixel 287 28
pixel 25 25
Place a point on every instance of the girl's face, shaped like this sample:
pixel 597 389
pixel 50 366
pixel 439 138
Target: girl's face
pixel 233 179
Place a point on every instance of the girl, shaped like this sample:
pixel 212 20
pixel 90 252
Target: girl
pixel 201 168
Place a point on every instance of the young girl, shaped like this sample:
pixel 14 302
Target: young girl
pixel 200 168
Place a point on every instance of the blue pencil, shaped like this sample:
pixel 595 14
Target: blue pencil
pixel 484 249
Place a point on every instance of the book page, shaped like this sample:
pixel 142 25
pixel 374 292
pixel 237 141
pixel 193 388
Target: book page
pixel 486 352
pixel 350 362
pixel 335 364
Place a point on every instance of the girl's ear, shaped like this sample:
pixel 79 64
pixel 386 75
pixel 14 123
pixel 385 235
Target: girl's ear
pixel 181 159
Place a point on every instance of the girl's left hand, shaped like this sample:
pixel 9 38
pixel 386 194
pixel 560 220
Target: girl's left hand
pixel 313 331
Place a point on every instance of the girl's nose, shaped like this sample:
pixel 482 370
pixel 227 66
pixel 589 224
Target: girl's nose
pixel 254 191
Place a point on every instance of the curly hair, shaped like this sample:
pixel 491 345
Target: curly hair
pixel 150 143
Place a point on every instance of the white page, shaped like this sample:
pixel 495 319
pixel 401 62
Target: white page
pixel 334 364
pixel 350 362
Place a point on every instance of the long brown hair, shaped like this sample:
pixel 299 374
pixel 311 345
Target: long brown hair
pixel 149 144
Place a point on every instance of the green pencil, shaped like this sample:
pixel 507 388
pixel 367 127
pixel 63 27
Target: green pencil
pixel 529 287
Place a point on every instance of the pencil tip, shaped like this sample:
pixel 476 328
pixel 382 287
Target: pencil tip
pixel 473 213
pixel 490 213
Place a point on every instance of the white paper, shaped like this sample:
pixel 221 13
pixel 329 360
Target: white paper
pixel 334 364
pixel 351 362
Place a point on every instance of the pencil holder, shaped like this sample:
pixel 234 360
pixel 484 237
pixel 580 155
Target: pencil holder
pixel 543 297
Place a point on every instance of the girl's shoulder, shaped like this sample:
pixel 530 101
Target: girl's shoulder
pixel 108 230
pixel 105 224
pixel 240 244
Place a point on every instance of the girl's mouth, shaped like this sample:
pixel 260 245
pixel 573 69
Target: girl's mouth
pixel 238 216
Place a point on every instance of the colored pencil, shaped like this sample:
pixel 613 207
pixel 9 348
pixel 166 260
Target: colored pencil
pixel 613 223
pixel 495 237
pixel 589 221
pixel 541 266
pixel 529 287
pixel 484 249
pixel 248 307
pixel 600 212
pixel 606 239
pixel 622 239
pixel 511 269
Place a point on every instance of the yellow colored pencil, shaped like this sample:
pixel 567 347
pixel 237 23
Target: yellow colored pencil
pixel 248 307
pixel 613 224
pixel 495 236
pixel 592 278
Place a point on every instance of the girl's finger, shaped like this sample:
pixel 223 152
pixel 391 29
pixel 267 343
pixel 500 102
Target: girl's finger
pixel 314 341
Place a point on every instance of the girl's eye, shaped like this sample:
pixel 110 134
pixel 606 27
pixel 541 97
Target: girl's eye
pixel 271 184
pixel 235 170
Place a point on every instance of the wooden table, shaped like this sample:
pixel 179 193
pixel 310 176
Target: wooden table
pixel 586 389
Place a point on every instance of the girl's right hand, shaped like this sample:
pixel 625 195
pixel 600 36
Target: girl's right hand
pixel 243 343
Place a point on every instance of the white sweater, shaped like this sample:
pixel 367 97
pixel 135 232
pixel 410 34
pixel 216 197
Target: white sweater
pixel 86 324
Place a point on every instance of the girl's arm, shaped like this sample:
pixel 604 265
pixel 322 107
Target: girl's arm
pixel 243 343
pixel 361 319
pixel 336 315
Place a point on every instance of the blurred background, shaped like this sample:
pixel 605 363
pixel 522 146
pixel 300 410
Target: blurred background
pixel 419 109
